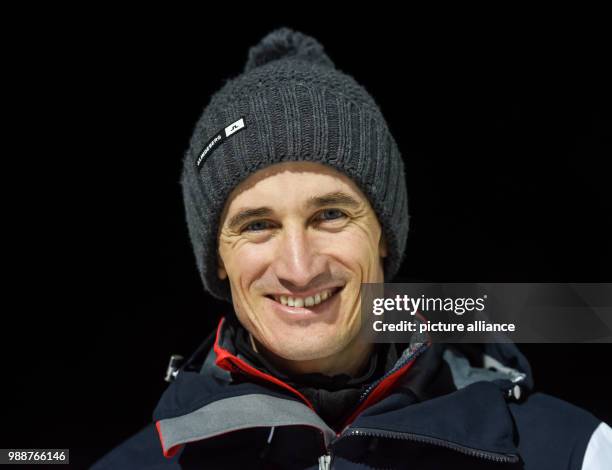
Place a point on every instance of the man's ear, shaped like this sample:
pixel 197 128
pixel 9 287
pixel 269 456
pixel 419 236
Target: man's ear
pixel 382 246
pixel 221 272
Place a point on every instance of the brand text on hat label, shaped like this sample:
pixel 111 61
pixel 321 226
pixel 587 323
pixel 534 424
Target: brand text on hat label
pixel 218 139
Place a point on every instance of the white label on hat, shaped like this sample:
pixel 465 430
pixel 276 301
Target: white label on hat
pixel 218 139
pixel 234 127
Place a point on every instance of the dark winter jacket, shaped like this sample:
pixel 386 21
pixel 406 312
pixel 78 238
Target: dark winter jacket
pixel 439 406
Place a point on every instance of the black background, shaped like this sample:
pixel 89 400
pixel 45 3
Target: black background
pixel 505 130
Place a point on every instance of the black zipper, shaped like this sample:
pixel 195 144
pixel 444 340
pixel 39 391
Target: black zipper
pixel 325 460
pixel 483 454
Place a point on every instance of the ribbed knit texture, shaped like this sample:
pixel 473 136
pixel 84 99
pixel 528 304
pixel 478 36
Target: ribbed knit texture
pixel 296 106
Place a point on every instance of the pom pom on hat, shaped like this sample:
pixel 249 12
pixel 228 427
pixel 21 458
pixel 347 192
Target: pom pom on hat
pixel 286 43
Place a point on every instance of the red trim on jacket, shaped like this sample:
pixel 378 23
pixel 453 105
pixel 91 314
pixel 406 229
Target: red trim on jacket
pixel 172 451
pixel 231 363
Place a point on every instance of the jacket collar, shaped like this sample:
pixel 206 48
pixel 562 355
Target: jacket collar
pixel 211 397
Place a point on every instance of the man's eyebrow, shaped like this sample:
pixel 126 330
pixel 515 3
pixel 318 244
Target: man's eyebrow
pixel 337 198
pixel 246 214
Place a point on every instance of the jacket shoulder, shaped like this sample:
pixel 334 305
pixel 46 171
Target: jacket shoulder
pixel 142 450
pixel 552 433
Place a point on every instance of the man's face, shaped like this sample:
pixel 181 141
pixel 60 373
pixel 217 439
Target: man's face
pixel 296 241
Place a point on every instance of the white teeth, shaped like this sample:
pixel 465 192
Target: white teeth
pixel 304 302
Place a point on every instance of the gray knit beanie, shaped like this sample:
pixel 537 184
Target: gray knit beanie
pixel 290 104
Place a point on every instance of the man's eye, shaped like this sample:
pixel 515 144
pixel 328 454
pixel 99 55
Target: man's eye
pixel 331 214
pixel 256 226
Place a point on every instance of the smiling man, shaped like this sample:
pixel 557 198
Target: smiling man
pixel 295 196
pixel 295 265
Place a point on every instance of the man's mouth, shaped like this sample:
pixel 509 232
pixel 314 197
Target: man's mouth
pixel 308 301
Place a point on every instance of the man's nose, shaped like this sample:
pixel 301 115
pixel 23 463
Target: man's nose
pixel 298 261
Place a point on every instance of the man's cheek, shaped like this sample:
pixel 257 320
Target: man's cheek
pixel 354 250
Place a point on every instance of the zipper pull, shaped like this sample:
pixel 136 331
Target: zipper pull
pixel 325 462
pixel 173 367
